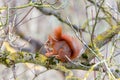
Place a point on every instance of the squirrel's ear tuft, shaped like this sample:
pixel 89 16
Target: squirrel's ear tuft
pixel 49 37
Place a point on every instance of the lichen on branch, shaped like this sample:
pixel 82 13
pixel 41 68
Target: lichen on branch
pixel 100 41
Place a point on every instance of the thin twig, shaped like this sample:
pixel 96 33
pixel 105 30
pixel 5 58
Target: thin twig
pixel 94 26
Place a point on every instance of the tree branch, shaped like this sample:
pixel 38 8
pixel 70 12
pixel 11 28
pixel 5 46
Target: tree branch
pixel 100 41
pixel 8 59
pixel 57 15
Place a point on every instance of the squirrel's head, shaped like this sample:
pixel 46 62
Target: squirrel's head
pixel 50 43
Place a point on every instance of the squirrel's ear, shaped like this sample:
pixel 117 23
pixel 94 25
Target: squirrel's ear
pixel 49 37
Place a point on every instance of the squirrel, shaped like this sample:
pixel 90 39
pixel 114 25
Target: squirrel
pixel 62 46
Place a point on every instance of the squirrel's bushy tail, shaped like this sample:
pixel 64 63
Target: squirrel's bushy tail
pixel 58 33
pixel 73 43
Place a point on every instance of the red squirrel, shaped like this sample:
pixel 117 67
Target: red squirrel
pixel 62 46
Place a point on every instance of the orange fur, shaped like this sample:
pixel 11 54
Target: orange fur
pixel 63 45
pixel 58 33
